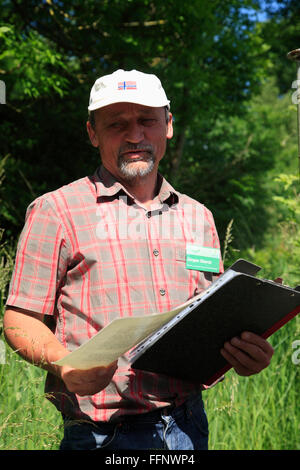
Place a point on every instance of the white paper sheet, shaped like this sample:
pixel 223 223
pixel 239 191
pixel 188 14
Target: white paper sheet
pixel 115 339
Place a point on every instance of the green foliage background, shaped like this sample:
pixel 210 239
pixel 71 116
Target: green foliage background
pixel 224 67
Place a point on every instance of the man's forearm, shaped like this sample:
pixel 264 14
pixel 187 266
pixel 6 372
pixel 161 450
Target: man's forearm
pixel 26 334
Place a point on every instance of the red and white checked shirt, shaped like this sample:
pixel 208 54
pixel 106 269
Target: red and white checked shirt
pixel 88 254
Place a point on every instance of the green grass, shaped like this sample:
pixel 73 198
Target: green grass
pixel 260 412
pixel 28 421
pixel 255 413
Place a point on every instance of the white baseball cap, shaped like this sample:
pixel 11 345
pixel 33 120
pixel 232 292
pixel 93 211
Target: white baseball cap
pixel 130 87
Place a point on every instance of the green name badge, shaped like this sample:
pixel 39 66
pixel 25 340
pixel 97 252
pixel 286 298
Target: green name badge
pixel 202 258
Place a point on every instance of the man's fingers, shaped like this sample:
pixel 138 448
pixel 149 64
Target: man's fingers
pixel 90 381
pixel 96 372
pixel 253 351
pixel 257 341
pixel 248 354
pixel 90 388
pixel 240 357
pixel 241 370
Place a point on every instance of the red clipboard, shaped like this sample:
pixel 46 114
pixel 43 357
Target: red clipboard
pixel 188 347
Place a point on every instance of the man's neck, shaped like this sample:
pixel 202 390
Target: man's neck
pixel 143 189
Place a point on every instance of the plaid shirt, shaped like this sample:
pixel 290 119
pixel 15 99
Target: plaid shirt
pixel 88 254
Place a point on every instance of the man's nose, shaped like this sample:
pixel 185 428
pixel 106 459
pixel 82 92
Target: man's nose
pixel 134 132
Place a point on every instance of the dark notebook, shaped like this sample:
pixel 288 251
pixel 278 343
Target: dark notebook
pixel 188 347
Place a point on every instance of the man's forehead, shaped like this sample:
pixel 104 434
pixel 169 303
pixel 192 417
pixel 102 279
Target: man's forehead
pixel 123 109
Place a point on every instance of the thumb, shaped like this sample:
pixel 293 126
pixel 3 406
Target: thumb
pixel 110 369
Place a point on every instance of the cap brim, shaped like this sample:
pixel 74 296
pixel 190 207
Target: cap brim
pixel 151 103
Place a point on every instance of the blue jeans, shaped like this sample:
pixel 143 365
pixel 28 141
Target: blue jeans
pixel 182 428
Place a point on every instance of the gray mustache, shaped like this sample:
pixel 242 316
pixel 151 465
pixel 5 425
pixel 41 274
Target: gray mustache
pixel 132 147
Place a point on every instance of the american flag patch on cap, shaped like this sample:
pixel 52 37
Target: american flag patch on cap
pixel 127 85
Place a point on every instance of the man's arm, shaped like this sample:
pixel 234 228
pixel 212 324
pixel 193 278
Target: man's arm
pixel 248 354
pixel 26 333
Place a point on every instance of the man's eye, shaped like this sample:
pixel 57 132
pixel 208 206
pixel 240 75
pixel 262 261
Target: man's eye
pixel 115 125
pixel 149 122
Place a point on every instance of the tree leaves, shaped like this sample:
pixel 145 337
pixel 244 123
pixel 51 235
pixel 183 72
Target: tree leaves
pixel 30 65
pixel 211 58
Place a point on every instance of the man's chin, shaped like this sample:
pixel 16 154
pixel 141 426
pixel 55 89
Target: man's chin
pixel 136 169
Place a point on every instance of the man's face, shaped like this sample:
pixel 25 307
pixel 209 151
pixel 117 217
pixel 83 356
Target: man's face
pixel 131 138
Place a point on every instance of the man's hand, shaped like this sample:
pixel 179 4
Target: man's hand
pixel 27 334
pixel 88 382
pixel 248 354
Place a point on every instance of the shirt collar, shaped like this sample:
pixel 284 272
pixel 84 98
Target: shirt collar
pixel 107 187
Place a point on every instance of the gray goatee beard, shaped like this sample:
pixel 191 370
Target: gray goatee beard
pixel 129 170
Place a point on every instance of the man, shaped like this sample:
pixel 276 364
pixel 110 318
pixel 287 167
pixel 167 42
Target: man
pixel 109 246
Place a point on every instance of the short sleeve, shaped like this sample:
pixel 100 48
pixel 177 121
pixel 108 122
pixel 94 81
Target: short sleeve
pixel 41 260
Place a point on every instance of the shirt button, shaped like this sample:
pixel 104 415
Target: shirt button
pixel 148 215
pixel 162 291
pixel 155 252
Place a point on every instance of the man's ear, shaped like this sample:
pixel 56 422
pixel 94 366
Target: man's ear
pixel 92 134
pixel 170 127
